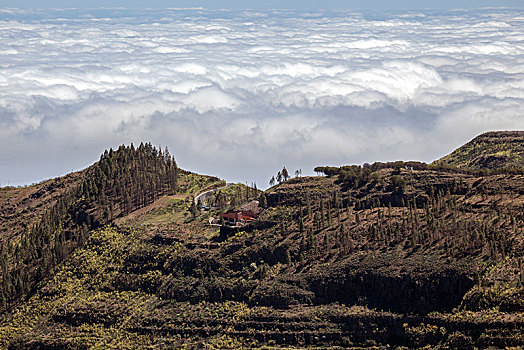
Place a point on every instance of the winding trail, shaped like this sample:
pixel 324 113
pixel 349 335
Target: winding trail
pixel 202 196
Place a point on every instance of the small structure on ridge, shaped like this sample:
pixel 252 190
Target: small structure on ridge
pixel 243 216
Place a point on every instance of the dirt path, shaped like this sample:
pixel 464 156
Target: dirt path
pixel 202 196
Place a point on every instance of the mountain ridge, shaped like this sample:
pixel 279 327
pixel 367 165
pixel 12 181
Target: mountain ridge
pixel 400 254
pixel 490 150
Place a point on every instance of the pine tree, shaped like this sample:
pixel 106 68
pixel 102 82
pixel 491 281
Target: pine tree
pixel 285 174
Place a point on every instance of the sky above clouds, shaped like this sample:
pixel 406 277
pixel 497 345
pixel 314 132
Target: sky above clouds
pixel 267 4
pixel 241 93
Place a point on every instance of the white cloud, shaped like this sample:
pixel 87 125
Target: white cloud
pixel 239 94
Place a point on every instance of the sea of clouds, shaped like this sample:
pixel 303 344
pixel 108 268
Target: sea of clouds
pixel 239 94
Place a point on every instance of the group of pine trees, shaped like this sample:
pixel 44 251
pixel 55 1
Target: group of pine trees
pixel 130 178
pixel 338 221
pixel 283 175
pixel 366 169
pixel 122 181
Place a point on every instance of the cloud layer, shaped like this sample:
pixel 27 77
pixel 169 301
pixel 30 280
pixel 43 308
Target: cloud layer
pixel 240 94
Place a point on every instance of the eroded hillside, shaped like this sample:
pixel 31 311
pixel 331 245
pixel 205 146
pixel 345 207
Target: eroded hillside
pixel 377 256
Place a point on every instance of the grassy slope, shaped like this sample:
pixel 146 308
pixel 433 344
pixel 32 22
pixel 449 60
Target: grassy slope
pixel 166 279
pixel 490 150
pixel 84 282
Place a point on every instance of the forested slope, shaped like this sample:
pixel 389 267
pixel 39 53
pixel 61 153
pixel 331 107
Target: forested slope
pixel 399 254
pixel 42 225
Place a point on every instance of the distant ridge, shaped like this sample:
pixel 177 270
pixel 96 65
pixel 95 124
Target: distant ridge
pixel 491 150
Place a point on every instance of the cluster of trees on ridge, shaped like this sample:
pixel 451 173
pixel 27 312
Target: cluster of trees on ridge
pixel 122 181
pixel 282 176
pixel 413 165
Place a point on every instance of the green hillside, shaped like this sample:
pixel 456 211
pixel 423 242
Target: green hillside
pixel 397 254
pixel 43 224
pixel 500 149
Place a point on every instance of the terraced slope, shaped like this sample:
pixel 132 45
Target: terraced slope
pixel 367 258
pixel 499 149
